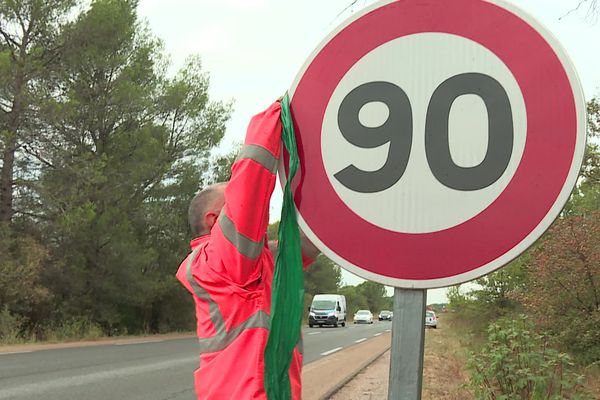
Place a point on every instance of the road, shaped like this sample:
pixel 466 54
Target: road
pixel 320 342
pixel 148 370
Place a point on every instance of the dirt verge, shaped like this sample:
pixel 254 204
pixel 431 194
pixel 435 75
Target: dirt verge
pixel 444 375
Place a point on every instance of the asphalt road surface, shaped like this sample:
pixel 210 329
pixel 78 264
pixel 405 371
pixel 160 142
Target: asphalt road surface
pixel 145 370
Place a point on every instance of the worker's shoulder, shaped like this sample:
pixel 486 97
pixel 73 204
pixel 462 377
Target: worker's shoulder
pixel 211 254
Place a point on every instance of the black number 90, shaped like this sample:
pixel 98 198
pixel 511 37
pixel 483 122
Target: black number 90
pixel 397 130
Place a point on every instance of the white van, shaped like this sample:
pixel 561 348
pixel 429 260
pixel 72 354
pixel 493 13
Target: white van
pixel 327 309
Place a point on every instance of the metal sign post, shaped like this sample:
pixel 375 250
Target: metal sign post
pixel 408 344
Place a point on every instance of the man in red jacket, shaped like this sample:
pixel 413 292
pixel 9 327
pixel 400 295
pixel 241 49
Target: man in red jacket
pixel 230 270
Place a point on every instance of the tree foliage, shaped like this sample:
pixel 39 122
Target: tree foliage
pixel 563 290
pixel 375 295
pixel 563 285
pixel 110 150
pixel 30 50
pixel 323 276
pixel 366 296
pixel 355 299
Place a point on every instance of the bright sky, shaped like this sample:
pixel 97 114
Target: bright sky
pixel 254 48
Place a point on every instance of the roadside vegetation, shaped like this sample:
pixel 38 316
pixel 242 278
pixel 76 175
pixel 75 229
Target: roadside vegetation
pixel 101 151
pixel 445 376
pixel 532 327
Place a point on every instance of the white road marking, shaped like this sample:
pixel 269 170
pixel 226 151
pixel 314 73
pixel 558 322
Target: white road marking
pixel 360 340
pixel 142 342
pixel 388 330
pixel 314 333
pixel 15 352
pixel 331 351
pixel 377 334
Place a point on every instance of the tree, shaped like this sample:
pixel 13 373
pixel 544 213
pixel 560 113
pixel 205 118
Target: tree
pixel 367 295
pixel 355 299
pixel 102 152
pixel 123 158
pixel 563 288
pixel 22 292
pixel 374 294
pixel 323 276
pixel 563 291
pixel 220 169
pixel 30 47
pixel 388 303
pixel 497 290
pixel 586 196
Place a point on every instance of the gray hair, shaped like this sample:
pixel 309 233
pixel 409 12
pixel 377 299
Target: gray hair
pixel 201 204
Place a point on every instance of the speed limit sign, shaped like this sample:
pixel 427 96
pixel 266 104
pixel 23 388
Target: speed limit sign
pixel 438 139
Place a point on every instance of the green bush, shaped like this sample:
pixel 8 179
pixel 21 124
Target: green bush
pixel 75 329
pixel 517 363
pixel 10 327
pixel 578 333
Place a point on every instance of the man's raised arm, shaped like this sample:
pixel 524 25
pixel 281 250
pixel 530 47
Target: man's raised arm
pixel 238 238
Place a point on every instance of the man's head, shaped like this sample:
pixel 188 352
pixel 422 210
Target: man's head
pixel 205 208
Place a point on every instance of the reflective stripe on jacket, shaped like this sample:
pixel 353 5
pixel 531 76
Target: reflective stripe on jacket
pixel 229 274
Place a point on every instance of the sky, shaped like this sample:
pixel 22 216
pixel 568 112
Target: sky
pixel 253 49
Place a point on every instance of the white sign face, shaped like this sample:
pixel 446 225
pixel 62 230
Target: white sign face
pixel 438 140
pixel 433 206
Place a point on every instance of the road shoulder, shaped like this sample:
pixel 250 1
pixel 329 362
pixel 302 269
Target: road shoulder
pixel 444 375
pixel 321 378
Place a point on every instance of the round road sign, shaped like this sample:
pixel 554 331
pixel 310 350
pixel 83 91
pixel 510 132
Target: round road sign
pixel 438 139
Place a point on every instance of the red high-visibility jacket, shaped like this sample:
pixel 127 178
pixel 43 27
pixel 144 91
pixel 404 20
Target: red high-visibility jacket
pixel 230 271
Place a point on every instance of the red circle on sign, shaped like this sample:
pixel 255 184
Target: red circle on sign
pixel 545 165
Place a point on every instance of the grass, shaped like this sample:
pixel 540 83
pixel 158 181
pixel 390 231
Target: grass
pixel 592 379
pixel 71 330
pixel 445 376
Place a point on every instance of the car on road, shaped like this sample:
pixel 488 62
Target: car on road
pixel 385 315
pixel 363 316
pixel 327 309
pixel 430 319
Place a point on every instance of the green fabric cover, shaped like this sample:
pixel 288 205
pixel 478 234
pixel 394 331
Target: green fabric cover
pixel 287 303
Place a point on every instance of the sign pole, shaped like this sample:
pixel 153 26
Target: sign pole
pixel 408 344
